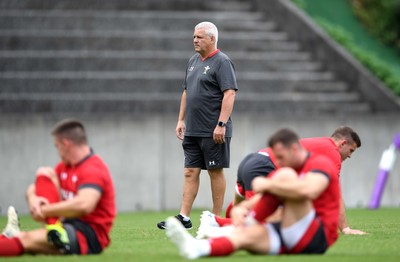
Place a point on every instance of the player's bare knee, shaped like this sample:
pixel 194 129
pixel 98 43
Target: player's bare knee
pixel 285 173
pixel 239 237
pixel 188 175
pixel 216 173
pixel 46 171
pixel 190 172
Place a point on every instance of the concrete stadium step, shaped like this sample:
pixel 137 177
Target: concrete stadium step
pixel 147 60
pixel 130 20
pixel 231 5
pixel 129 56
pixel 135 103
pixel 286 96
pixel 158 86
pixel 298 97
pixel 81 102
pixel 105 75
pixel 158 82
pixel 301 108
pixel 136 40
pixel 253 86
pixel 127 64
pixel 78 33
pixel 127 5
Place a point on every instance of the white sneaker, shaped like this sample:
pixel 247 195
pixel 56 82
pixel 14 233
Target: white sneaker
pixel 207 224
pixel 208 219
pixel 214 232
pixel 12 227
pixel 185 243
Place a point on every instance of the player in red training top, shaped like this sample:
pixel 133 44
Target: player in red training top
pixel 76 201
pixel 340 146
pixel 306 186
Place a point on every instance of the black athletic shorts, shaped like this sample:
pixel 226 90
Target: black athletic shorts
pixel 74 225
pixel 252 166
pixel 312 242
pixel 204 153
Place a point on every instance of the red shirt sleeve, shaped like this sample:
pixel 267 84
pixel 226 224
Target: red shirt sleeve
pixel 92 177
pixel 321 164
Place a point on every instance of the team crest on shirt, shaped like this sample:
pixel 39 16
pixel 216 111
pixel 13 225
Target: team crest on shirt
pixel 64 176
pixel 206 68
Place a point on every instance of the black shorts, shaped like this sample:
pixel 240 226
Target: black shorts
pixel 312 242
pixel 91 244
pixel 252 166
pixel 204 153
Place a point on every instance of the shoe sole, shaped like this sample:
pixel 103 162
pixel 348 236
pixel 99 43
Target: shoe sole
pixel 163 227
pixel 53 236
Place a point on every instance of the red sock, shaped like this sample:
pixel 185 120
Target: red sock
pixel 223 221
pixel 10 247
pixel 46 188
pixel 221 246
pixel 228 210
pixel 265 207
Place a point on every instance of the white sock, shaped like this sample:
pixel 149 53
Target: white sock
pixel 185 218
pixel 203 247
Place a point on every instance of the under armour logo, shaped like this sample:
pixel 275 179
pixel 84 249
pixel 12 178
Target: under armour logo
pixel 191 68
pixel 206 68
pixel 211 163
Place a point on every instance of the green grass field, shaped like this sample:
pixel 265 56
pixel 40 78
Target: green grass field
pixel 135 237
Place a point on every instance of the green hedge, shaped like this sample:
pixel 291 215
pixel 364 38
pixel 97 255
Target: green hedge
pixel 381 18
pixel 378 67
pixel 300 3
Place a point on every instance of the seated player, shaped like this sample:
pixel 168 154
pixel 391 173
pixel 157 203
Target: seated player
pixel 340 146
pixel 306 186
pixel 75 201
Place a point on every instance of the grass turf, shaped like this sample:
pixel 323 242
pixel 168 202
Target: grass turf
pixel 135 237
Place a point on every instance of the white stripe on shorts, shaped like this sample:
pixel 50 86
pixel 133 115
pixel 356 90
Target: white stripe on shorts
pixel 274 240
pixel 292 235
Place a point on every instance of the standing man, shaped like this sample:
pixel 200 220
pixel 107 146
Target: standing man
pixel 307 187
pixel 75 201
pixel 204 122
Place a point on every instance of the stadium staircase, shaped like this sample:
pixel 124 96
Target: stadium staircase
pixel 78 56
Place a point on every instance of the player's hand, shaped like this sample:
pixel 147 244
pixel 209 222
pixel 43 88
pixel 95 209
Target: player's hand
pixel 219 135
pixel 349 231
pixel 180 130
pixel 238 215
pixel 35 207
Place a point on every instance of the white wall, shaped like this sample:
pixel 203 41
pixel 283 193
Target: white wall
pixel 146 159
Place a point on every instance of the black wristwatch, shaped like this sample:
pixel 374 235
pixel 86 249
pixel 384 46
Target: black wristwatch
pixel 221 124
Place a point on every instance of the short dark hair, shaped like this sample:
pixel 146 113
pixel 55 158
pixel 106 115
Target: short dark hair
pixel 285 136
pixel 70 129
pixel 345 132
